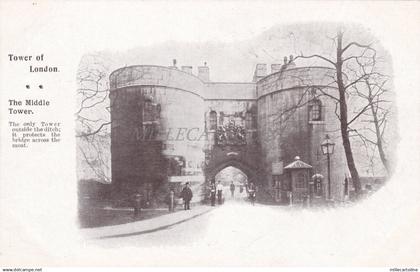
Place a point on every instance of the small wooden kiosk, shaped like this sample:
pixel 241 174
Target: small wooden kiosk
pixel 298 174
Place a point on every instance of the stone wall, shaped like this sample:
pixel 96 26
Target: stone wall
pixel 150 75
pixel 178 127
pixel 157 115
pixel 243 154
pixel 285 129
pixel 294 78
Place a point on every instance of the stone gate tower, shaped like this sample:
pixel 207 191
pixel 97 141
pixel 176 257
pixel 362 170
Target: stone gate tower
pixel 169 125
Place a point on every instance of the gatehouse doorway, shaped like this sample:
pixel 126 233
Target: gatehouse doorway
pixel 234 182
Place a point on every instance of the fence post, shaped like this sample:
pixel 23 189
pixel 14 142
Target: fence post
pixel 137 205
pixel 171 201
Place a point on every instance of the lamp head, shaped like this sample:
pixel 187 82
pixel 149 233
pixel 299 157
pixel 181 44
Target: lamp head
pixel 327 146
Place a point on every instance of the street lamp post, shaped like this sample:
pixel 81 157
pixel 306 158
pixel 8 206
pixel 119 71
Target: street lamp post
pixel 327 147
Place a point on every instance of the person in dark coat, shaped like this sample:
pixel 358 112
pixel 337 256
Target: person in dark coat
pixel 186 195
pixel 251 192
pixel 232 189
pixel 213 193
pixel 219 189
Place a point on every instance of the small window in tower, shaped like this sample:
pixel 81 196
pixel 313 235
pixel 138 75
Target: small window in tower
pixel 315 107
pixel 248 120
pixel 213 120
pixel 300 181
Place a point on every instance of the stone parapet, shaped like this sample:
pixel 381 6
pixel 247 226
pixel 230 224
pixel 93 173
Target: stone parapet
pixel 151 75
pixel 295 78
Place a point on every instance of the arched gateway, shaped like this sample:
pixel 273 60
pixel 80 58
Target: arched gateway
pixel 249 171
pixel 170 126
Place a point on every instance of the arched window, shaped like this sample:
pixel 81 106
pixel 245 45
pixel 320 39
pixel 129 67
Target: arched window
pixel 148 111
pixel 318 187
pixel 151 115
pixel 213 120
pixel 315 110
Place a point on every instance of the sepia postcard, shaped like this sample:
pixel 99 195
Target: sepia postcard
pixel 210 134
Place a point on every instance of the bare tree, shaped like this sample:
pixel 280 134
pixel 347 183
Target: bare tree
pixel 93 119
pixel 375 113
pixel 93 112
pixel 93 116
pixel 350 63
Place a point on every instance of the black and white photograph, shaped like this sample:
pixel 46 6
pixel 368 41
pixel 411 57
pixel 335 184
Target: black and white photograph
pixel 300 117
pixel 230 134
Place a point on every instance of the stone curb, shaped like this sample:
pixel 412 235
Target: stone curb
pixel 143 226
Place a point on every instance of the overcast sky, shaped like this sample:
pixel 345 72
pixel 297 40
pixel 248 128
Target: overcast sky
pixel 235 61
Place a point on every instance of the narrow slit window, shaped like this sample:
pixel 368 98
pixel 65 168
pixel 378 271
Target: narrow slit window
pixel 213 120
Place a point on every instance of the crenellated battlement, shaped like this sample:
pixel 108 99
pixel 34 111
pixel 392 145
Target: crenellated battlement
pixel 282 77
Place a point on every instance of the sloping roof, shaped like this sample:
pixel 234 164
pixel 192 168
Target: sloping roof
pixel 298 164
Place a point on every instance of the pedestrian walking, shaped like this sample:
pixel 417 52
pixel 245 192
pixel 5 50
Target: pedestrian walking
pixel 186 195
pixel 213 193
pixel 251 192
pixel 219 189
pixel 232 189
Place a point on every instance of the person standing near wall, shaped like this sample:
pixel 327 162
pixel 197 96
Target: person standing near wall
pixel 252 192
pixel 186 195
pixel 219 189
pixel 213 193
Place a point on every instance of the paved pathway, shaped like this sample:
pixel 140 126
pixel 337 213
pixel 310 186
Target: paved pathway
pixel 145 226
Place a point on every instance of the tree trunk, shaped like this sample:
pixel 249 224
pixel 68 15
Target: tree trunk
pixel 344 118
pixel 379 139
